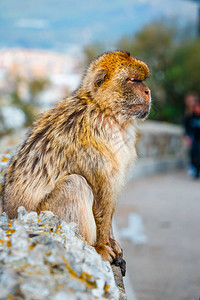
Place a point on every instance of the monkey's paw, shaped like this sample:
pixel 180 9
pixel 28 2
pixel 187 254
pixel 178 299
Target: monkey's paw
pixel 106 252
pixel 118 260
pixel 115 246
pixel 113 253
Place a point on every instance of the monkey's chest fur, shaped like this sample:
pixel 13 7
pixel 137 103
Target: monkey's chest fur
pixel 122 145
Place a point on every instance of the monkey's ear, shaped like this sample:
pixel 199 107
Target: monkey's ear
pixel 100 77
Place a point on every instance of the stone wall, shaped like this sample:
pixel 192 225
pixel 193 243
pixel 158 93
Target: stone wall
pixel 160 148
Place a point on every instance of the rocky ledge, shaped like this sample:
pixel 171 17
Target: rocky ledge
pixel 42 257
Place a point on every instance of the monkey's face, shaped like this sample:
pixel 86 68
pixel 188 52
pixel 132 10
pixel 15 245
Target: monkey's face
pixel 117 85
pixel 136 100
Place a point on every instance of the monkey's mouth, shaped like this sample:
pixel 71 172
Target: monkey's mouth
pixel 140 111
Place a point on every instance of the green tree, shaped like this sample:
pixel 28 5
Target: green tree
pixel 174 62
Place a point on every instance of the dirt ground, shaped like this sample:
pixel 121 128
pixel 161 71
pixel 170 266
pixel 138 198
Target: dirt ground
pixel 167 267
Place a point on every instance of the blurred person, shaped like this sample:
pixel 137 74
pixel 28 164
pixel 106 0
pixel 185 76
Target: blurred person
pixel 190 100
pixel 192 138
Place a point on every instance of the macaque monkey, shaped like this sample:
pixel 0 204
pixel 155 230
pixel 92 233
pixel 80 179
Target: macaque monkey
pixel 74 159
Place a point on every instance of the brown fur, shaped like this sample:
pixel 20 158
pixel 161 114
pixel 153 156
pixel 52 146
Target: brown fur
pixel 91 134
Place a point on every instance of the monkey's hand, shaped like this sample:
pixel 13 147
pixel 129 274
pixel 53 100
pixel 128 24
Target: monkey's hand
pixel 118 260
pixel 113 253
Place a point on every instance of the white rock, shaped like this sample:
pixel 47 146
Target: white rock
pixel 48 260
pixel 21 212
pixel 8 282
pixel 19 242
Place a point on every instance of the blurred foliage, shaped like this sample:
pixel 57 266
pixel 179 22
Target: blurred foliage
pixel 23 94
pixel 29 105
pixel 174 60
pixel 36 86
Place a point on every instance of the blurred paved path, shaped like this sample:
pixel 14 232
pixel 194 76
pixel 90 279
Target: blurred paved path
pixel 167 267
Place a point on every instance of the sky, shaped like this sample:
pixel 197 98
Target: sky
pixel 68 24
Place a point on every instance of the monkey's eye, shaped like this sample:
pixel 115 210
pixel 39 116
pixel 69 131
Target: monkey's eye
pixel 98 82
pixel 132 79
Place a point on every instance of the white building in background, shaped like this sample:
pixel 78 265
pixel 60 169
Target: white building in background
pixel 61 69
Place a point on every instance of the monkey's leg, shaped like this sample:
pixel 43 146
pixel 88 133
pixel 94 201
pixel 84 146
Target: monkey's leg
pixel 72 201
pixel 103 210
